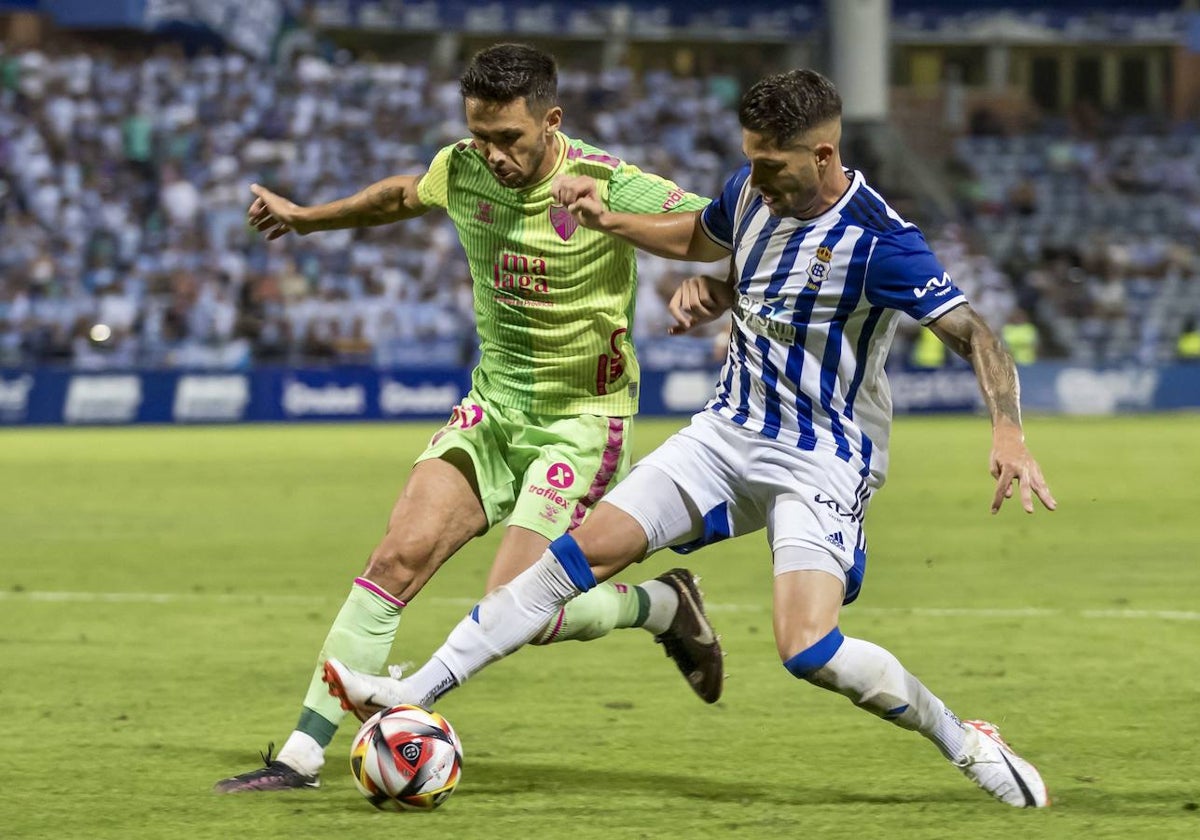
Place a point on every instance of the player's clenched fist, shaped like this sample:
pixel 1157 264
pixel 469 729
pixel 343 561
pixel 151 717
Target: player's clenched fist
pixel 579 195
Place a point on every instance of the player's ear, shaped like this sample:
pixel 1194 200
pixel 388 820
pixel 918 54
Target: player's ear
pixel 552 122
pixel 824 153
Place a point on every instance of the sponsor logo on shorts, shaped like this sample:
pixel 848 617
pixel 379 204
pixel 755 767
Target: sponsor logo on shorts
pixel 465 416
pixel 560 475
pixel 548 493
pixel 835 539
pixel 833 506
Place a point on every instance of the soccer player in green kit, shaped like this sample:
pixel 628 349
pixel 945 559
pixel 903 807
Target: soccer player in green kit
pixel 544 430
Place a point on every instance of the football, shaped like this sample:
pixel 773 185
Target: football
pixel 406 758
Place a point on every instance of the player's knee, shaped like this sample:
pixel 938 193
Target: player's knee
pixel 397 561
pixel 611 539
pixel 814 656
pixel 796 637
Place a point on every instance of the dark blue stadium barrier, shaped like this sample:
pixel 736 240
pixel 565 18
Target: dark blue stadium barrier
pixel 48 397
pixel 54 397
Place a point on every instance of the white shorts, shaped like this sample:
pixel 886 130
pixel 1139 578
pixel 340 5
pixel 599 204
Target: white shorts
pixel 713 480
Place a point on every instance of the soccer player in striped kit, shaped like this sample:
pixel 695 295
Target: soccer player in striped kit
pixel 543 432
pixel 795 439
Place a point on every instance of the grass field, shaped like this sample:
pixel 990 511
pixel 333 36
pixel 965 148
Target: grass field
pixel 164 591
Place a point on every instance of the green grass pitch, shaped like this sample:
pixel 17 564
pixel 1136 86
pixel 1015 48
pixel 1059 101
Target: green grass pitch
pixel 164 592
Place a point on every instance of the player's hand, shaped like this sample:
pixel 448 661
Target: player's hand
pixel 698 300
pixel 1011 461
pixel 579 194
pixel 273 214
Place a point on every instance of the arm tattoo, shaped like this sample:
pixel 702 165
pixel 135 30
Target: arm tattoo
pixel 968 335
pixel 997 378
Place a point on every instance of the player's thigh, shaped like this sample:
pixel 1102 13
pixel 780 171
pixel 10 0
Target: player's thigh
pixel 438 511
pixel 807 602
pixel 475 442
pixel 563 467
pixel 611 539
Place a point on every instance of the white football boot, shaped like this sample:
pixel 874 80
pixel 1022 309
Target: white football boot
pixel 364 694
pixel 992 764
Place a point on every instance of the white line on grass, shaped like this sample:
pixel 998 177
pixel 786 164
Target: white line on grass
pixel 282 599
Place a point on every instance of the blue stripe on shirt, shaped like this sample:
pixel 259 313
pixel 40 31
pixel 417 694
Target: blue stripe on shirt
pixel 852 291
pixel 772 407
pixel 807 438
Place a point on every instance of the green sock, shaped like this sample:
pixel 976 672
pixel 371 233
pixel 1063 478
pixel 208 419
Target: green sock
pixel 361 636
pixel 596 613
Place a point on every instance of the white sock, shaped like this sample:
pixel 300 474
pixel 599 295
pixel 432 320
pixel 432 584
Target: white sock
pixel 430 681
pixel 949 735
pixel 664 602
pixel 302 752
pixel 873 679
pixel 503 621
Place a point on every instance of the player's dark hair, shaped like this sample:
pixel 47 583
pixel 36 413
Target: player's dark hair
pixel 506 72
pixel 784 106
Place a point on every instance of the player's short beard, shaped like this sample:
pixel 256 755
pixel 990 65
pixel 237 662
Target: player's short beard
pixel 536 158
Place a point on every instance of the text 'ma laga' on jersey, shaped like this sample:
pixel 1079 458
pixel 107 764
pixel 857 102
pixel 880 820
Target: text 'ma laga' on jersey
pixel 816 310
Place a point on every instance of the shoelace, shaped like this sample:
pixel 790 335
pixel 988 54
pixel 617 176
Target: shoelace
pixel 268 756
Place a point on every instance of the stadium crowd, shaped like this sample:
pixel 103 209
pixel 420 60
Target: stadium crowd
pixel 124 185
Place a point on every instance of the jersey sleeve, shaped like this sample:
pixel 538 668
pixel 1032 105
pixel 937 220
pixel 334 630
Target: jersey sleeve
pixel 630 190
pixel 717 219
pixel 904 274
pixel 433 188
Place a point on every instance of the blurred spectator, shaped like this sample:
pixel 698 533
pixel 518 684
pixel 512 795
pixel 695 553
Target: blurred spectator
pixel 1021 338
pixel 1187 348
pixel 928 352
pixel 123 193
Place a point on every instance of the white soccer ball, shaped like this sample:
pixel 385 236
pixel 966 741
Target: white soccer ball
pixel 406 758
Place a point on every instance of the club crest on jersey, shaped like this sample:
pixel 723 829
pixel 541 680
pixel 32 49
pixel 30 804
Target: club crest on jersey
pixel 484 213
pixel 562 220
pixel 818 268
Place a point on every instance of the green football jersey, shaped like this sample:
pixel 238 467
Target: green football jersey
pixel 553 301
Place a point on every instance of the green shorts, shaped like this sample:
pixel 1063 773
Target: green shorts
pixel 542 473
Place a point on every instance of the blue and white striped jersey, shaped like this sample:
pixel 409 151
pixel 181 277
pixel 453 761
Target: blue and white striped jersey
pixel 816 310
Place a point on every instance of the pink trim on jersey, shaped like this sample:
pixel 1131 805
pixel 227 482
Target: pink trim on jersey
pixel 608 468
pixel 558 623
pixel 380 591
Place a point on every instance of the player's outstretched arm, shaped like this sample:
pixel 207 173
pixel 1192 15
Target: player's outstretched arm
pixel 676 236
pixel 967 334
pixel 390 200
pixel 699 300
